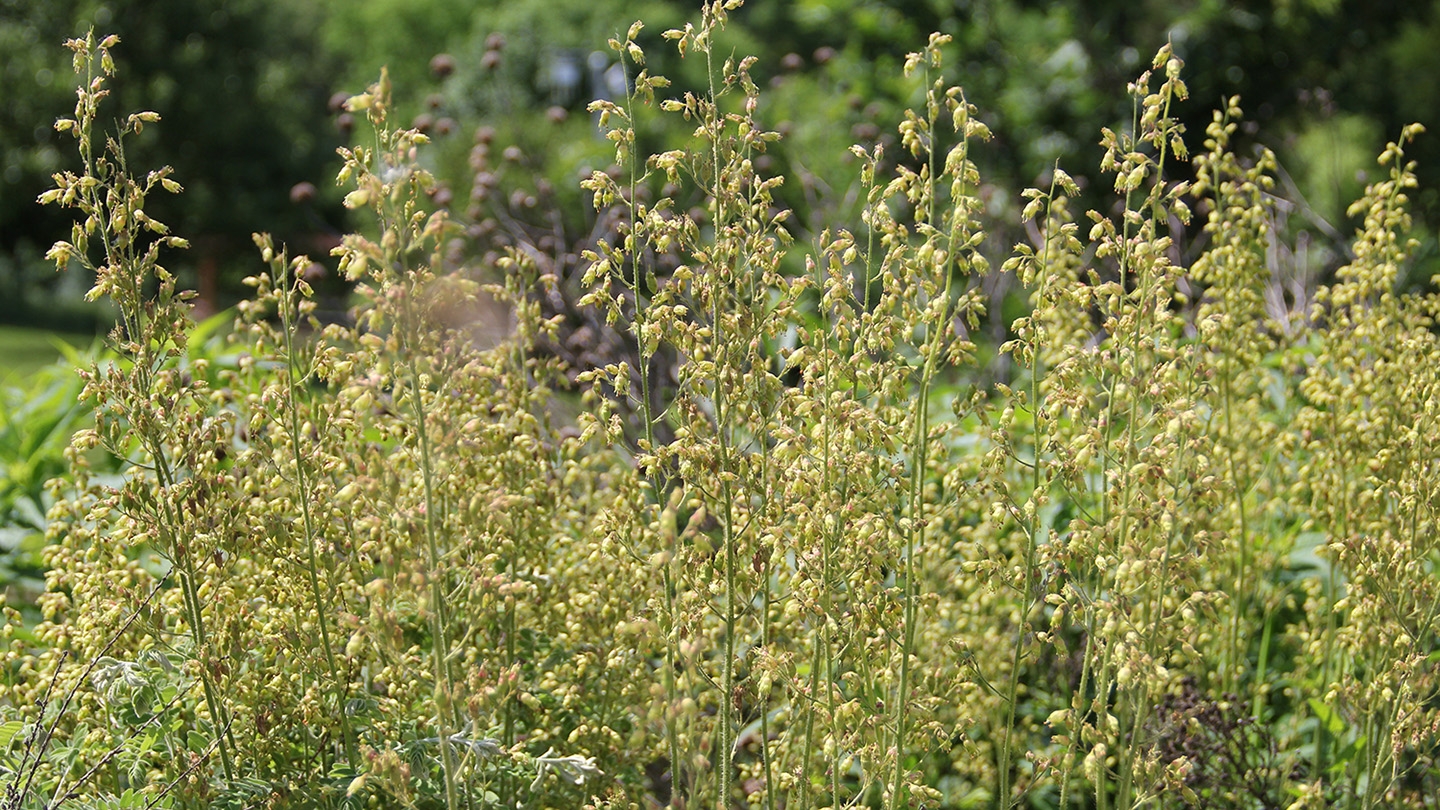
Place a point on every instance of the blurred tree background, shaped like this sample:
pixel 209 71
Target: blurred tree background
pixel 249 91
pixel 241 86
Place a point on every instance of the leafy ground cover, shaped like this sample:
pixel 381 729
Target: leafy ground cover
pixel 799 547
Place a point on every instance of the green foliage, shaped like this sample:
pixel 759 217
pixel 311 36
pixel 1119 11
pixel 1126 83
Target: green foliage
pixel 29 351
pixel 242 83
pixel 35 427
pixel 731 519
pixel 1045 73
pixel 38 90
pixel 1333 159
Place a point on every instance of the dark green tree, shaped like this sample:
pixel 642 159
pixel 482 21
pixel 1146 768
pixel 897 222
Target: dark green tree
pixel 37 79
pixel 241 85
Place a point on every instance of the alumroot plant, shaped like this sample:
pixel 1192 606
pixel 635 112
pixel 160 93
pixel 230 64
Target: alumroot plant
pixel 372 531
pixel 176 501
pixel 789 548
pixel 795 598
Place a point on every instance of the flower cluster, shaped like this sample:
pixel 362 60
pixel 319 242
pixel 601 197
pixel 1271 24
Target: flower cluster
pixel 789 540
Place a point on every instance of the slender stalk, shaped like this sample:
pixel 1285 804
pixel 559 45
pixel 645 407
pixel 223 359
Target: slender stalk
pixel 195 615
pixel 212 700
pixel 638 242
pixel 766 506
pixel 446 721
pixel 828 542
pixel 765 641
pixel 1321 739
pixel 1261 666
pixel 807 754
pixel 730 539
pixel 1027 598
pixel 728 700
pixel 439 625
pixel 919 462
pixel 110 199
pixel 1242 572
pixel 303 488
pixel 1087 669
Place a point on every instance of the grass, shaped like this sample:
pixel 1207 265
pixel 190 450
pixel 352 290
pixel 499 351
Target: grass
pixel 24 351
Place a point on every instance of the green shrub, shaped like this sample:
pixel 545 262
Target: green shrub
pixel 36 421
pixel 792 550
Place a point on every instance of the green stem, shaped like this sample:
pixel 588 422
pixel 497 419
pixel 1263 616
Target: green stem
pixel 303 488
pixel 169 528
pixel 726 708
pixel 1076 717
pixel 439 620
pixel 212 701
pixel 1241 594
pixel 1027 598
pixel 1322 733
pixel 1261 666
pixel 919 462
pixel 807 755
pixel 763 700
pixel 828 541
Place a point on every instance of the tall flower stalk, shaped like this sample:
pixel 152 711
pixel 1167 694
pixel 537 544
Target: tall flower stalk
pixel 149 409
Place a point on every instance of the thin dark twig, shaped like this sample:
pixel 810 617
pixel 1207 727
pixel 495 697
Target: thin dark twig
pixel 194 764
pixel 114 751
pixel 39 754
pixel 32 736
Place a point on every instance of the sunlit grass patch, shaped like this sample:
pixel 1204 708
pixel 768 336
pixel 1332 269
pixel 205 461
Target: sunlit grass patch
pixel 23 351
